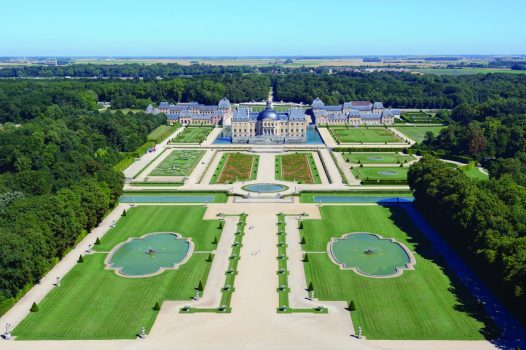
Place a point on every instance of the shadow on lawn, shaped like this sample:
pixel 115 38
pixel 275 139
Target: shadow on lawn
pixel 466 302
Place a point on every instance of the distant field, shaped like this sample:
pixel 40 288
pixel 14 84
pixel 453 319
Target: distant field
pixel 417 133
pixel 363 135
pixel 467 71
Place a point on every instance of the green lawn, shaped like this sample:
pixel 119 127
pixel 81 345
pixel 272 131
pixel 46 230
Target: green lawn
pixel 419 304
pixel 193 134
pixel 178 163
pixel 95 303
pixel 417 133
pixel 298 167
pixel 162 132
pixel 235 167
pixel 380 173
pixel 377 158
pixel 472 171
pixel 363 135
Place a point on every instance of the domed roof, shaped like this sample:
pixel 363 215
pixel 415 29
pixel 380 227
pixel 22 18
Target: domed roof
pixel 268 113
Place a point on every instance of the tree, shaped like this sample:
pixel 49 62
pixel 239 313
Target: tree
pixel 351 306
pixel 34 307
pixel 200 286
pixel 306 258
pixel 97 241
pixel 81 259
pixel 124 212
pixel 310 287
pixel 157 307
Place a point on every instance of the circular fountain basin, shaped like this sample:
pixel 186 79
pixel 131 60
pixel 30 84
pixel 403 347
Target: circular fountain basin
pixel 264 188
pixel 370 255
pixel 149 255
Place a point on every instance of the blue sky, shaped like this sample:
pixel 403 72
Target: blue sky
pixel 269 27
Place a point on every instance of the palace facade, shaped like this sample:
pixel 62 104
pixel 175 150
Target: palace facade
pixel 193 113
pixel 269 126
pixel 353 113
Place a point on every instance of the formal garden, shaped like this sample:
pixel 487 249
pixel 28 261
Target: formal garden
pixel 193 134
pixel 423 303
pixel 235 167
pixel 297 167
pixel 363 134
pixel 380 174
pixel 93 302
pixel 377 158
pixel 178 163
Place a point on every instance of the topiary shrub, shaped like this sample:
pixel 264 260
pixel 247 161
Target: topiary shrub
pixel 81 259
pixel 214 241
pixel 34 307
pixel 351 306
pixel 302 240
pixel 97 241
pixel 300 226
pixel 310 288
pixel 220 226
pixel 157 307
pixel 306 258
pixel 210 257
pixel 200 286
pixel 124 212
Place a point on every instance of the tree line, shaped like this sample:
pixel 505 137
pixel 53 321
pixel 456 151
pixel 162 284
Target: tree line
pixel 57 183
pixel 484 220
pixel 22 100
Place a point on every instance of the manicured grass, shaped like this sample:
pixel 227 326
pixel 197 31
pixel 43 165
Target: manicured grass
pixel 178 163
pixel 472 171
pixel 298 167
pixel 95 303
pixel 377 158
pixel 417 133
pixel 363 135
pixel 162 132
pixel 219 196
pixel 419 304
pixel 193 134
pixel 235 167
pixel 420 117
pixel 308 197
pixel 374 173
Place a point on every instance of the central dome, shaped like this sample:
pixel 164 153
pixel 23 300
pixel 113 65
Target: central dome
pixel 268 113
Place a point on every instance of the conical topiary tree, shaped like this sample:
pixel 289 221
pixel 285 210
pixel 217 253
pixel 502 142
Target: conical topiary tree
pixel 210 257
pixel 306 258
pixel 124 212
pixel 300 226
pixel 220 226
pixel 200 286
pixel 352 307
pixel 157 307
pixel 34 307
pixel 97 241
pixel 310 288
pixel 302 240
pixel 214 241
pixel 81 259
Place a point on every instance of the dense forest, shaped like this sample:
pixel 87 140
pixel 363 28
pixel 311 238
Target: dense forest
pixel 26 99
pixel 484 220
pixel 399 89
pixel 56 183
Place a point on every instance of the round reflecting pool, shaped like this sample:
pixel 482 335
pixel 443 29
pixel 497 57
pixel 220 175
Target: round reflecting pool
pixel 149 255
pixel 371 255
pixel 264 188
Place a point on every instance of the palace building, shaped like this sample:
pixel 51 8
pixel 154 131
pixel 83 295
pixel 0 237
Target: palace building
pixel 193 113
pixel 269 126
pixel 353 113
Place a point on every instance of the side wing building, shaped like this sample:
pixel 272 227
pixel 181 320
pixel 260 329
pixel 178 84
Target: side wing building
pixel 193 113
pixel 353 113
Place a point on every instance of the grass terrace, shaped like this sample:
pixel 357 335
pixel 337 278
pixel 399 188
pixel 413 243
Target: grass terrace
pixel 235 167
pixel 178 163
pixel 297 167
pixel 95 303
pixel 379 174
pixel 376 158
pixel 417 133
pixel 420 118
pixel 421 304
pixel 363 135
pixel 193 134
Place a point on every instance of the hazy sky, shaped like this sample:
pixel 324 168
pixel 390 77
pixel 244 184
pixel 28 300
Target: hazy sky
pixel 267 27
